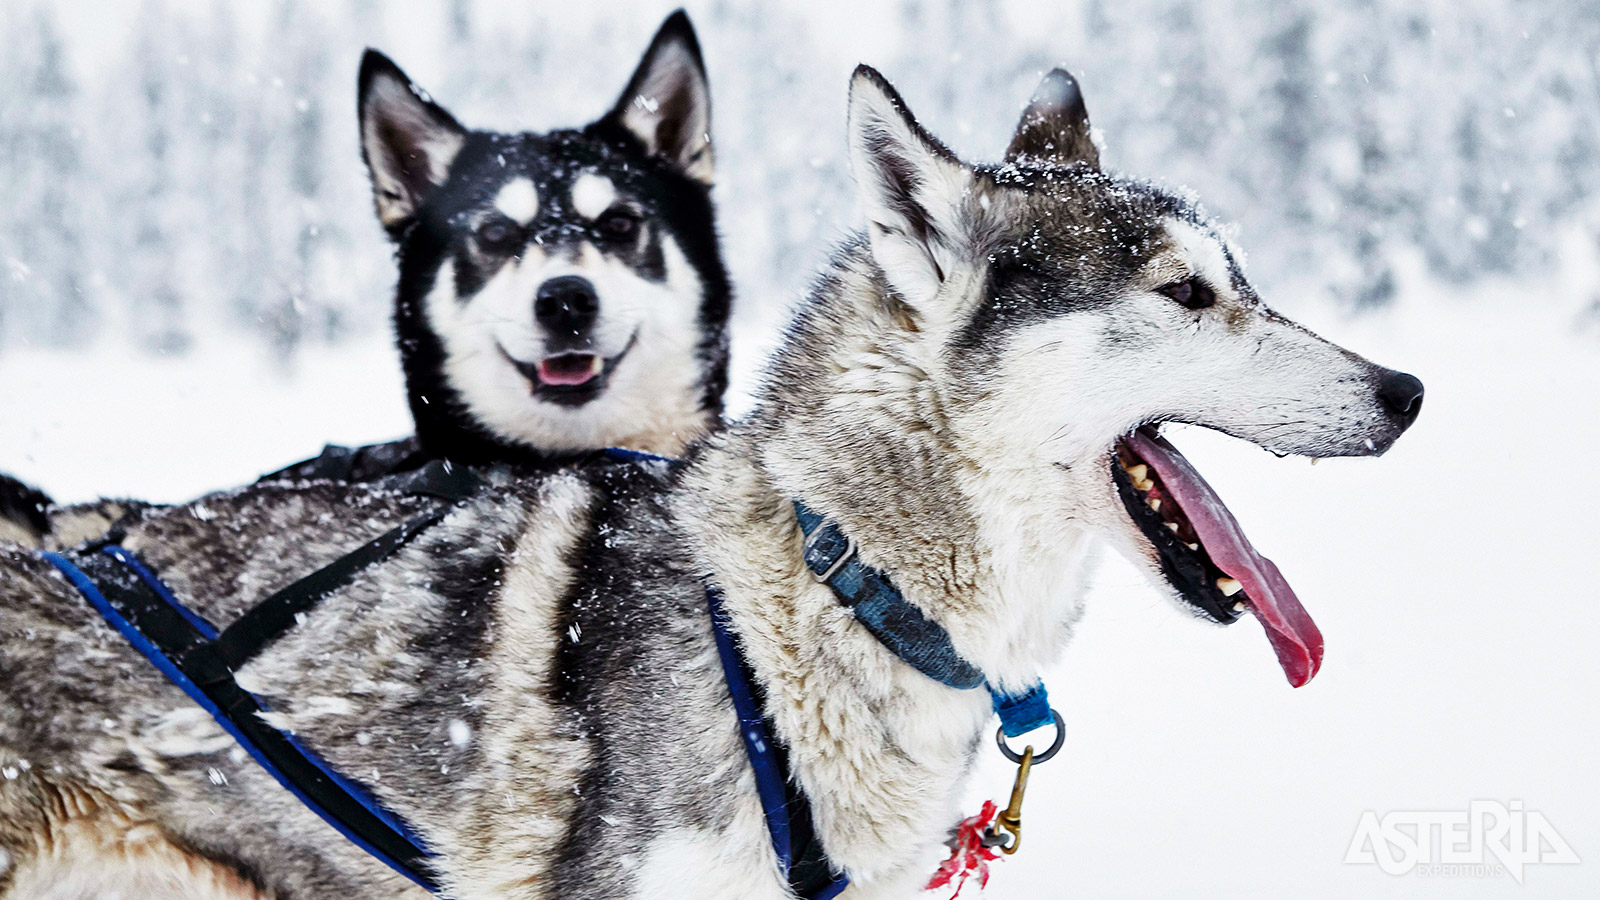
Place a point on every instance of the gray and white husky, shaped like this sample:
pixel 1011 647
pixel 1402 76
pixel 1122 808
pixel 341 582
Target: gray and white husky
pixel 971 394
pixel 559 292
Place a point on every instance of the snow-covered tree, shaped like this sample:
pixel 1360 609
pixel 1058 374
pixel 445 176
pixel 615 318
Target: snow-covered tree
pixel 194 165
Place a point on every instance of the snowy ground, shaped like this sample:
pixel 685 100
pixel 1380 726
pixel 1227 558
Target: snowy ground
pixel 1453 579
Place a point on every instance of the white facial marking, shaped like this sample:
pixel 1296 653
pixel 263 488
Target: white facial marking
pixel 592 195
pixel 519 200
pixel 1204 253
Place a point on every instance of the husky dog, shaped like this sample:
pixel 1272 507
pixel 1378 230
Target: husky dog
pixel 558 292
pixel 971 394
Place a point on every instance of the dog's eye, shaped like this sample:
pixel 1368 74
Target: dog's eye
pixel 618 224
pixel 497 234
pixel 1191 293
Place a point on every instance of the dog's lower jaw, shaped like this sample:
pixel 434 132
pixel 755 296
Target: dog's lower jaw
pixel 631 419
pixel 882 751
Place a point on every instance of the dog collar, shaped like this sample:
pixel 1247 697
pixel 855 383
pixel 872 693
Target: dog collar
pixel 902 628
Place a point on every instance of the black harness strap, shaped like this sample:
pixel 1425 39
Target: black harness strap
pixel 368 463
pixel 269 619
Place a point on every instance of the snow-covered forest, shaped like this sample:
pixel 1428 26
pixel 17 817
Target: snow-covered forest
pixel 176 166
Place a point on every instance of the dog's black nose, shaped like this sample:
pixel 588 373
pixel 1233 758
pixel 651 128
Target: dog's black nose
pixel 566 306
pixel 1401 395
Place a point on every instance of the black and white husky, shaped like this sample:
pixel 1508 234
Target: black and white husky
pixel 971 396
pixel 558 292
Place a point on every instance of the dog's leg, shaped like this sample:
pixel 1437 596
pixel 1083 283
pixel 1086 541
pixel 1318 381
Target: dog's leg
pixel 63 840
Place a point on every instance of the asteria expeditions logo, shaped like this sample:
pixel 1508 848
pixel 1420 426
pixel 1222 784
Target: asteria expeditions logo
pixel 1487 839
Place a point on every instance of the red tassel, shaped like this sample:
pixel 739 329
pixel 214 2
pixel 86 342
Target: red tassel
pixel 968 856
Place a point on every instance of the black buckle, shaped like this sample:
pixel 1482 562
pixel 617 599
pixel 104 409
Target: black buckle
pixel 815 551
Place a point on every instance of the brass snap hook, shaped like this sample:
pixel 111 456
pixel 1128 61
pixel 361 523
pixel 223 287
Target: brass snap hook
pixel 1010 819
pixel 1006 833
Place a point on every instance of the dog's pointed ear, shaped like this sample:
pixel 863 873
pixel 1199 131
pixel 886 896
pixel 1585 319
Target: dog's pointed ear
pixel 667 103
pixel 911 189
pixel 407 141
pixel 1054 131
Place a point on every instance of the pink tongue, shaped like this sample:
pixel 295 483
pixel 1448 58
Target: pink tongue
pixel 570 369
pixel 1293 635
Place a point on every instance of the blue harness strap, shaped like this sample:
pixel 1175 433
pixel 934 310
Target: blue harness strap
pixel 623 454
pixel 902 628
pixel 788 813
pixel 753 729
pixel 176 640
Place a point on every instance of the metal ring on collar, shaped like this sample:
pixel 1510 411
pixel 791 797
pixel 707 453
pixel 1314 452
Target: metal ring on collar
pixel 1055 746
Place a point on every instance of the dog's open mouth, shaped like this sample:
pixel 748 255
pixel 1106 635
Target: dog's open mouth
pixel 568 379
pixel 569 369
pixel 1204 552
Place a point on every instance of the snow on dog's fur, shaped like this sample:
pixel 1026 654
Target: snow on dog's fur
pixel 534 683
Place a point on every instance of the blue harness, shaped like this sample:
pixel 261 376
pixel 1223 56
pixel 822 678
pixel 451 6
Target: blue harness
pixel 201 660
pixel 181 644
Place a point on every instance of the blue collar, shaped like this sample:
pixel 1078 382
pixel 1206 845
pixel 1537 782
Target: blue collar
pixel 901 627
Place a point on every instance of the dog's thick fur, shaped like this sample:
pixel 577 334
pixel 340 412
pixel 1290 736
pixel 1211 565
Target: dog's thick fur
pixel 534 684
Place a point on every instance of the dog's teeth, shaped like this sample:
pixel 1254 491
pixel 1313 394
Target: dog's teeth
pixel 1192 546
pixel 1238 606
pixel 1143 484
pixel 1171 526
pixel 1315 460
pixel 596 365
pixel 1229 586
pixel 1155 503
pixel 1138 473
